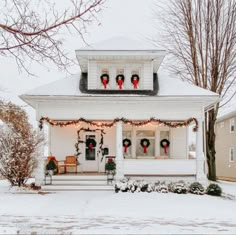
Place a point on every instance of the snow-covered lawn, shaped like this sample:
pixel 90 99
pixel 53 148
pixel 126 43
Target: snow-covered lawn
pixel 111 213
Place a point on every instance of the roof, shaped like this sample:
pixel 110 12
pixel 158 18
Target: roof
pixel 168 87
pixel 226 115
pixel 120 48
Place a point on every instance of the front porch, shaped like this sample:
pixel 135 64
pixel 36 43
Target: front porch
pixel 134 160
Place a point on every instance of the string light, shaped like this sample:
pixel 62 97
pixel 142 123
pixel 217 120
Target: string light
pixel 172 124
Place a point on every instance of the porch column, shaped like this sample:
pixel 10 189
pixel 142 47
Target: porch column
pixel 119 152
pixel 200 157
pixel 39 172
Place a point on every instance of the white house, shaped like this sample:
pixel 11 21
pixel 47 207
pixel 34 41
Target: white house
pixel 118 106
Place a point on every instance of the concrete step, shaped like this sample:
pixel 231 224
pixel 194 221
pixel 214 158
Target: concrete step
pixel 79 182
pixel 79 177
pixel 52 188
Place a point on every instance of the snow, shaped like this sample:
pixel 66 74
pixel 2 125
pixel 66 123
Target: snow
pixel 111 213
pixel 70 87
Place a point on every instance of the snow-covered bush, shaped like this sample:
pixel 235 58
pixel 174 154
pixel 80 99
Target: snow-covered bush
pixel 18 145
pixel 214 190
pixel 196 188
pixel 178 187
pixel 161 188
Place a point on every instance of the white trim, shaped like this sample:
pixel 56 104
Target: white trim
pixel 231 148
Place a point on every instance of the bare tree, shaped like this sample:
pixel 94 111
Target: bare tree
pixel 201 36
pixel 19 145
pixel 31 30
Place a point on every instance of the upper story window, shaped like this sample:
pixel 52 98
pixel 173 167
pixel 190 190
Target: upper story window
pixel 231 125
pixel 231 154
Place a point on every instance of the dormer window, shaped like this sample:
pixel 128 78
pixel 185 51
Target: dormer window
pixel 105 78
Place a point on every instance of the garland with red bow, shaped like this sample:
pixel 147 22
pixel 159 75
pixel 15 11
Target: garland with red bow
pixel 135 80
pixel 120 78
pixel 165 145
pixel 104 79
pixel 145 144
pixel 126 144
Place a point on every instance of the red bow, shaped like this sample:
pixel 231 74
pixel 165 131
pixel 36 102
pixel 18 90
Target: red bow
pixel 104 82
pixel 165 148
pixel 135 83
pixel 145 148
pixel 120 82
pixel 90 146
pixel 125 146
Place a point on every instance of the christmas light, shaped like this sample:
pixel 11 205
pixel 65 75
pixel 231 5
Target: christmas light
pixel 172 123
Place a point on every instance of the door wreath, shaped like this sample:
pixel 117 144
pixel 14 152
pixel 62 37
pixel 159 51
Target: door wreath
pixel 126 144
pixel 165 144
pixel 90 143
pixel 105 79
pixel 145 144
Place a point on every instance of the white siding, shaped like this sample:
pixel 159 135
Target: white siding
pixel 179 143
pixel 147 76
pixel 92 75
pixel 159 167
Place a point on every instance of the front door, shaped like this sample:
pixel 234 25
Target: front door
pixel 90 161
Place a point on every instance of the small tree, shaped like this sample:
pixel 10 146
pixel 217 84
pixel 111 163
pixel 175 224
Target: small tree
pixel 19 145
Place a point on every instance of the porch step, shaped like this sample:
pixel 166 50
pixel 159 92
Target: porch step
pixel 52 188
pixel 78 183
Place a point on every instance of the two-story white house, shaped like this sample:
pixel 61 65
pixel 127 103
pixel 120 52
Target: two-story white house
pixel 118 106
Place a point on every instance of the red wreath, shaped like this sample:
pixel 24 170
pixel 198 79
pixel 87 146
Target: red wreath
pixel 135 80
pixel 90 144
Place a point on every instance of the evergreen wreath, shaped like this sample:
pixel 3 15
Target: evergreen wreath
pixel 126 144
pixel 164 143
pixel 104 75
pixel 120 76
pixel 135 80
pixel 143 141
pixel 89 142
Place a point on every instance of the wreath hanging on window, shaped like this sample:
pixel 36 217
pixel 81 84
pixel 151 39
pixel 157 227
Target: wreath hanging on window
pixel 145 144
pixel 135 80
pixel 126 144
pixel 90 143
pixel 104 79
pixel 120 78
pixel 165 143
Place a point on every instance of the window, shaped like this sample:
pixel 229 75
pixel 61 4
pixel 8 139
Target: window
pixel 231 154
pixel 145 143
pixel 231 125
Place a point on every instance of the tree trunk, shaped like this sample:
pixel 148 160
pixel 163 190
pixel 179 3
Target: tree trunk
pixel 210 145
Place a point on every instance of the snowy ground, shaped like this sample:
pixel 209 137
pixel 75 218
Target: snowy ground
pixel 122 213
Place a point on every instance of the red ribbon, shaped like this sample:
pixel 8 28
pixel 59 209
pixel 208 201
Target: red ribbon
pixel 120 82
pixel 165 148
pixel 125 146
pixel 90 146
pixel 135 83
pixel 145 148
pixel 104 82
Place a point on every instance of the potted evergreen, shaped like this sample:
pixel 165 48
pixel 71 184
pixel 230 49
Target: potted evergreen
pixel 51 167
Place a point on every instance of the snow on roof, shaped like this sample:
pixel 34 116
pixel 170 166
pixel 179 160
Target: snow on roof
pixel 174 87
pixel 167 87
pixel 120 43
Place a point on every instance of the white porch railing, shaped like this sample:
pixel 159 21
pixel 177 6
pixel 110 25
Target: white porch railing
pixel 159 167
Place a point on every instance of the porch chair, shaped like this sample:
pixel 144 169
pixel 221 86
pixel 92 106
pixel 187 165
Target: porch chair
pixel 70 162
